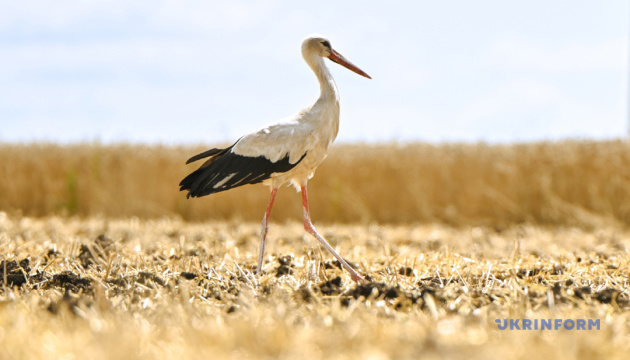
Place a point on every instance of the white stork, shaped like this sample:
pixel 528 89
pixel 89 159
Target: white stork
pixel 288 151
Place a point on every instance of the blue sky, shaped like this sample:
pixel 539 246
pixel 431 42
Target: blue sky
pixel 208 71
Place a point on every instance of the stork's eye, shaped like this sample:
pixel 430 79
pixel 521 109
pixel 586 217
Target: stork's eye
pixel 326 44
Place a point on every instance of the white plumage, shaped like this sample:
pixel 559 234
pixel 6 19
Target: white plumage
pixel 288 151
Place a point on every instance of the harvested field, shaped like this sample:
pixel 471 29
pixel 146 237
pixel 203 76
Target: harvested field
pixel 98 288
pixel 102 258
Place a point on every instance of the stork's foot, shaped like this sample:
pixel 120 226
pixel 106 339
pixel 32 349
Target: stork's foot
pixel 308 226
pixel 357 278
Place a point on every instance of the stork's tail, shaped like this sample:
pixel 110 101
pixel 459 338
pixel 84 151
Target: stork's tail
pixel 194 179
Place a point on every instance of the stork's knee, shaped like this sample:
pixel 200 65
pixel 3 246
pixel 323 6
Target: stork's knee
pixel 308 226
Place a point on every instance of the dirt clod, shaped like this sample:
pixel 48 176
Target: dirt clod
pixel 71 281
pixel 607 296
pixel 96 252
pixel 375 290
pixel 16 272
pixel 330 287
pixel 188 275
pixel 405 271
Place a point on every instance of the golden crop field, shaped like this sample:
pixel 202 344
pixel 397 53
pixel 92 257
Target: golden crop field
pixel 583 183
pixel 102 257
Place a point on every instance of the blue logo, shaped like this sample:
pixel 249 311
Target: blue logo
pixel 547 324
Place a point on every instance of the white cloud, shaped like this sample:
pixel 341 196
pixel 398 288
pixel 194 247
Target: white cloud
pixel 55 15
pixel 528 110
pixel 239 15
pixel 123 54
pixel 608 54
pixel 226 15
pixel 507 99
pixel 383 122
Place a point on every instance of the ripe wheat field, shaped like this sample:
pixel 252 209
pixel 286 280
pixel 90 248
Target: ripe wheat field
pixel 102 258
pixel 582 183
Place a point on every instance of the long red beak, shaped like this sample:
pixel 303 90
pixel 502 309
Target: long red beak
pixel 339 59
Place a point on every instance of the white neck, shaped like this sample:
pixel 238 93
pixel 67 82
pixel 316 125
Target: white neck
pixel 327 86
pixel 325 111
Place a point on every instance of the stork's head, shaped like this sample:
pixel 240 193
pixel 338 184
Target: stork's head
pixel 319 45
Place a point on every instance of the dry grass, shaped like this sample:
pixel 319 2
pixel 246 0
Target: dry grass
pixel 569 183
pixel 535 231
pixel 165 289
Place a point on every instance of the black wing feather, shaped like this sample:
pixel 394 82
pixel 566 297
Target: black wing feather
pixel 210 153
pixel 204 154
pixel 226 170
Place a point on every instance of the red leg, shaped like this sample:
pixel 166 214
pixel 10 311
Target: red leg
pixel 308 226
pixel 264 228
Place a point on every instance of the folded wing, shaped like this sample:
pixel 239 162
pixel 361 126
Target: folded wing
pixel 225 169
